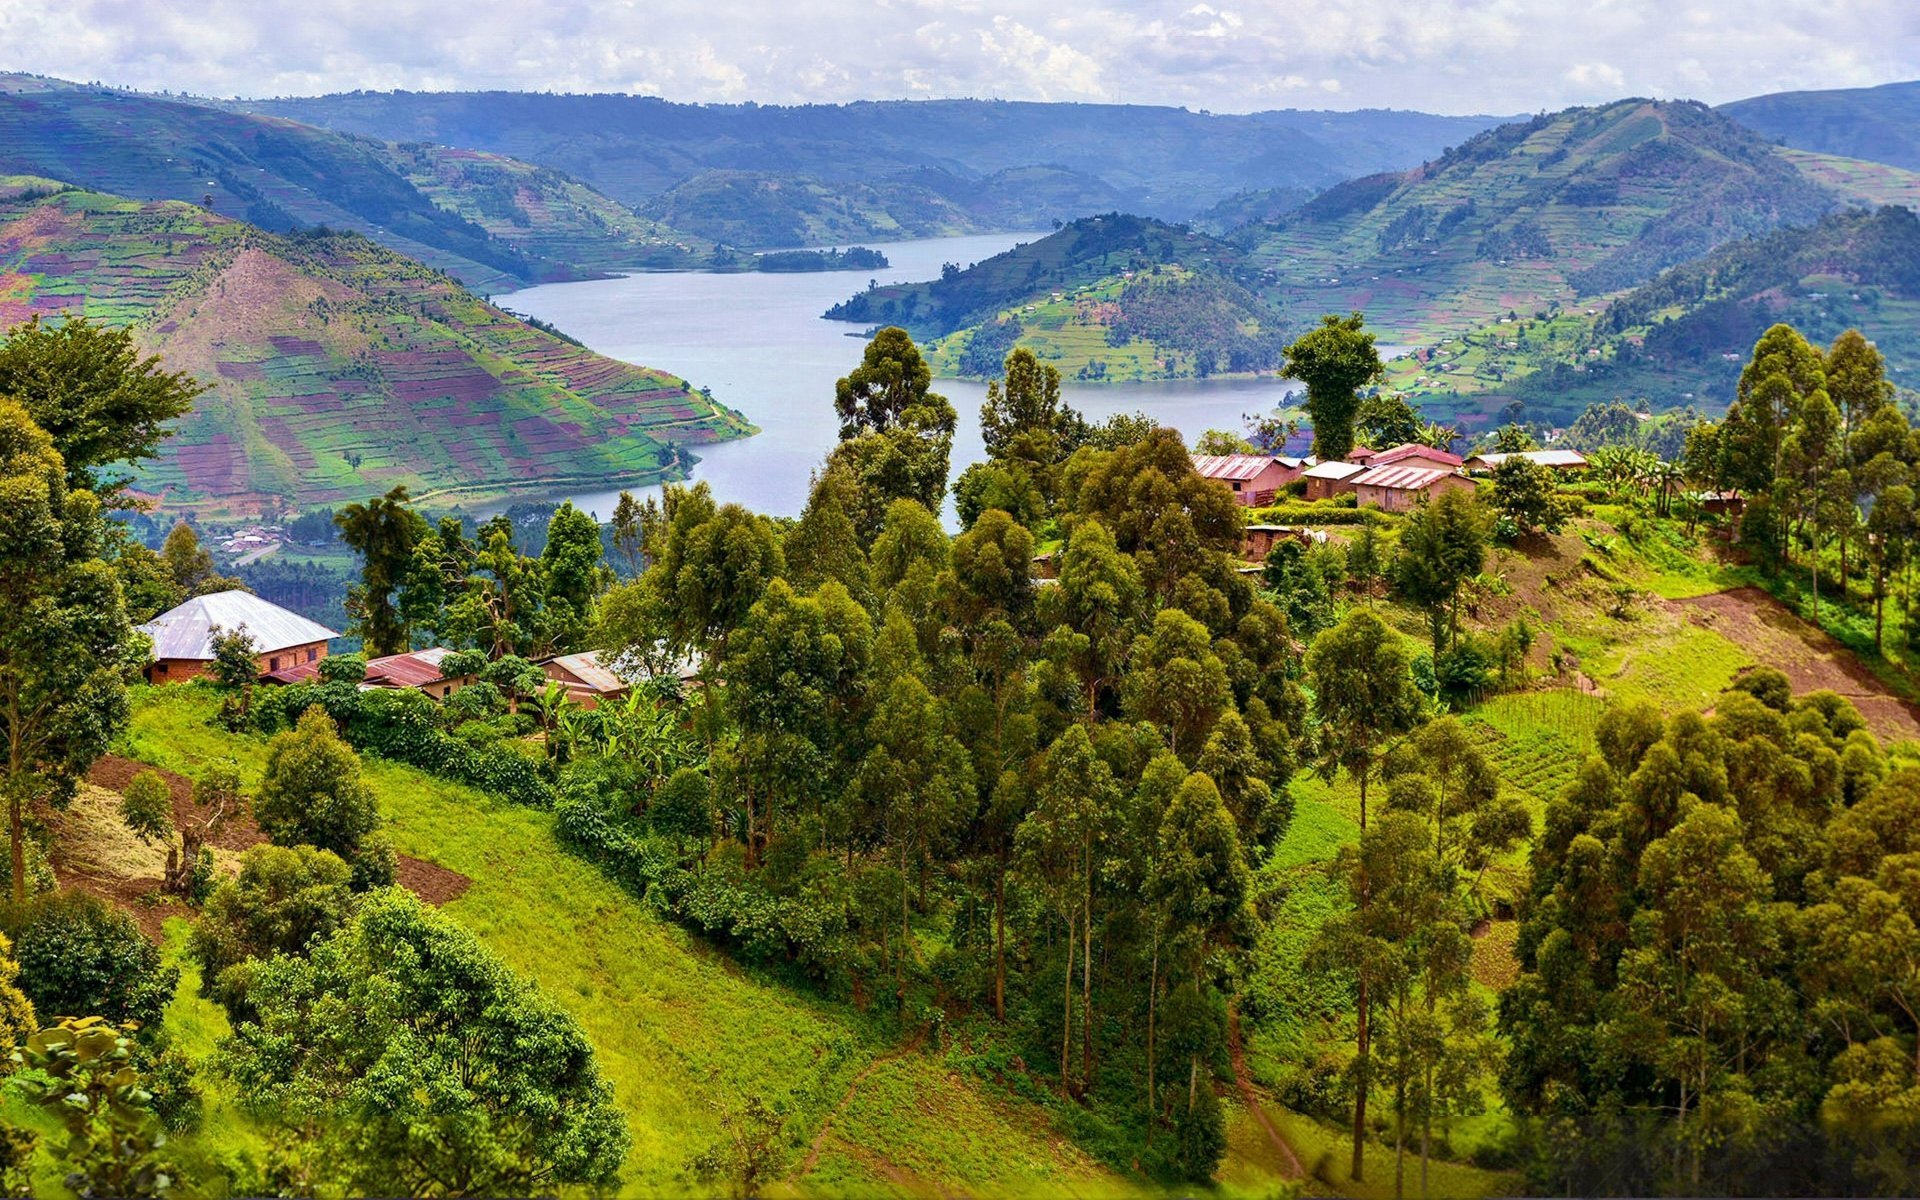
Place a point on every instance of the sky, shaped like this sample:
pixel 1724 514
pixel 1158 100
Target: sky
pixel 1451 56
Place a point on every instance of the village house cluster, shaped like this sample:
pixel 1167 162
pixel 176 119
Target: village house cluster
pixel 290 648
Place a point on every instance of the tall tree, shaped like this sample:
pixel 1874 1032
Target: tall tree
pixel 896 435
pixel 573 576
pixel 65 643
pixel 1442 546
pixel 1364 698
pixel 1335 360
pixel 384 531
pixel 98 398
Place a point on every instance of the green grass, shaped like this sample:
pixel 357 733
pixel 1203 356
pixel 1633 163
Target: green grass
pixel 682 1032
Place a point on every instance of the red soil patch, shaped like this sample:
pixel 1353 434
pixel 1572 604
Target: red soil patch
pixel 1811 658
pixel 430 881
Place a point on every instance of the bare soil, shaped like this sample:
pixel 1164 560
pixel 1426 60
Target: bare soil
pixel 1811 658
pixel 141 896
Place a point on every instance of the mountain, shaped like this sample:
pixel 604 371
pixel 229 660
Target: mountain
pixel 493 222
pixel 1578 203
pixel 1165 162
pixel 1879 124
pixel 1106 298
pixel 337 367
pixel 1681 339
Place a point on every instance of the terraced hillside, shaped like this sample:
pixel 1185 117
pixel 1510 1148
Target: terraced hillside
pixel 1881 124
pixel 1108 298
pixel 336 367
pixel 1579 203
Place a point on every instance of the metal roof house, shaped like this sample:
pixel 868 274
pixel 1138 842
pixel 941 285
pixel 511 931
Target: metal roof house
pixel 1398 487
pixel 590 680
pixel 183 636
pixel 1328 479
pixel 1254 478
pixel 1558 460
pixel 416 669
pixel 1425 455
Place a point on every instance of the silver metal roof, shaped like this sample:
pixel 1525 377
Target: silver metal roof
pixel 187 631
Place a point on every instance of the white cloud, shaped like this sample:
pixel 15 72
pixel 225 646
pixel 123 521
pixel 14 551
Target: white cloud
pixel 1440 55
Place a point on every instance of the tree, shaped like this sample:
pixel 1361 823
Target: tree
pixel 896 435
pixel 1220 441
pixel 1335 361
pixel 1526 495
pixel 65 644
pixel 1442 546
pixel 1513 439
pixel 100 401
pixel 188 562
pixel 1385 420
pixel 749 1147
pixel 311 792
pixel 1364 697
pixel 573 578
pixel 384 532
pixel 283 898
pixel 79 956
pixel 84 1077
pixel 407 1060
pixel 825 545
pixel 626 532
pixel 1176 681
pixel 1073 804
pixel 236 658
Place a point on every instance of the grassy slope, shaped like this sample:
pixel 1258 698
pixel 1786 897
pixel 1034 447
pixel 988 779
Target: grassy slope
pixel 1629 188
pixel 546 214
pixel 682 1032
pixel 335 364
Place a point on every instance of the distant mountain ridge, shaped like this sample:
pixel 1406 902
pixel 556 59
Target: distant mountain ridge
pixel 1879 124
pixel 1163 162
pixel 337 367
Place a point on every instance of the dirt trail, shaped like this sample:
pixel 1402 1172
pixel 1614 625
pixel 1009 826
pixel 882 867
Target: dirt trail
pixel 1812 658
pixel 819 1145
pixel 1259 1111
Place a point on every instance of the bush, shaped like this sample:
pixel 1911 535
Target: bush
pixel 343 668
pixel 79 957
pixel 1339 511
pixel 311 793
pixel 283 898
pixel 404 726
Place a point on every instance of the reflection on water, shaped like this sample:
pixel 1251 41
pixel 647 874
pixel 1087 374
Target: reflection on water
pixel 758 341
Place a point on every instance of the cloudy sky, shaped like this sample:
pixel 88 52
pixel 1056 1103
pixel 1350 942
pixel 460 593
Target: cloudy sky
pixel 1456 56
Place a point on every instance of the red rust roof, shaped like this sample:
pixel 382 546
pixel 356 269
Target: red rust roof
pixel 1231 466
pixel 411 670
pixel 1414 450
pixel 1403 476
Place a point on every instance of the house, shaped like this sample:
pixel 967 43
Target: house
pixel 1728 503
pixel 1362 455
pixel 1398 487
pixel 1254 478
pixel 1328 479
pixel 183 636
pixel 1415 453
pixel 416 669
pixel 589 684
pixel 1557 460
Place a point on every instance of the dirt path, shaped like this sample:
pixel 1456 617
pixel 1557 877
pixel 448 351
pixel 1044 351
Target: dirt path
pixel 1259 1111
pixel 819 1145
pixel 1812 658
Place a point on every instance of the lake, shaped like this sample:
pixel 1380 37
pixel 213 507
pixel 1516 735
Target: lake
pixel 759 342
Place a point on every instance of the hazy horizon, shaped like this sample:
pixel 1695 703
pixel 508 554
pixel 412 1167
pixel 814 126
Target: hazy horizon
pixel 1461 57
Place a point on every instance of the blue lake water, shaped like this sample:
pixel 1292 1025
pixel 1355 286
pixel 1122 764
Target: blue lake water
pixel 759 342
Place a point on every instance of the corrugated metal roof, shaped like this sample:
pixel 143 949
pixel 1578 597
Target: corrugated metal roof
pixel 1546 458
pixel 1415 450
pixel 411 670
pixel 1402 477
pixel 587 669
pixel 1231 466
pixel 1333 470
pixel 186 632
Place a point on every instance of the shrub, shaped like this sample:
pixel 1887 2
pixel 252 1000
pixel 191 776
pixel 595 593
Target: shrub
pixel 312 793
pixel 283 898
pixel 343 668
pixel 80 957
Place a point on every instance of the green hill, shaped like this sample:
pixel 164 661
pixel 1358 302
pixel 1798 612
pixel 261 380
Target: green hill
pixel 1103 299
pixel 337 367
pixel 1066 160
pixel 1682 338
pixel 493 222
pixel 1881 124
pixel 1578 203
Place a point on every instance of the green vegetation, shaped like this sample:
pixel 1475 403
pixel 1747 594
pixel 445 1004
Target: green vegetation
pixel 294 336
pixel 1104 299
